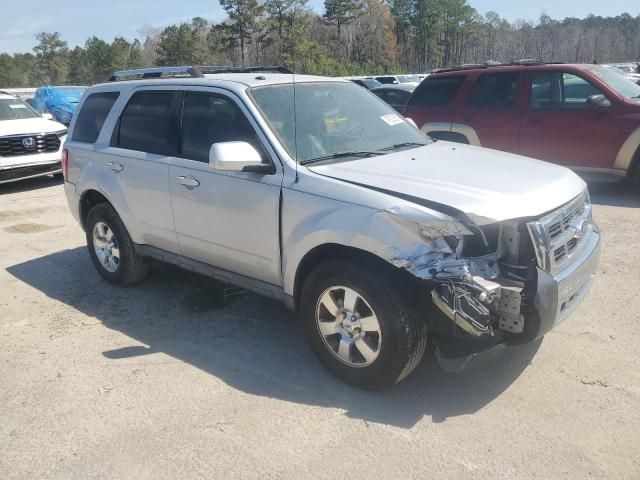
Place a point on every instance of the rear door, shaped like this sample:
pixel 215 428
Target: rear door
pixel 143 141
pixel 491 110
pixel 559 125
pixel 226 219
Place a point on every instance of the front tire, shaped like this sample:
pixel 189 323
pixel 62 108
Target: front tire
pixel 111 248
pixel 365 326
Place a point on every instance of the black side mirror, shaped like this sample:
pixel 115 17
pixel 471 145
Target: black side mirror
pixel 599 102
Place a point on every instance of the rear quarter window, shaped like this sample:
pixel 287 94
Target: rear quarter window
pixel 92 116
pixel 437 91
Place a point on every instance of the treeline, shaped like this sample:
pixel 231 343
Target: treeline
pixel 351 37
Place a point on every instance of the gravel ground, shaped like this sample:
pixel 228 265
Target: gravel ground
pixel 160 381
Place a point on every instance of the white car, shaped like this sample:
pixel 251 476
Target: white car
pixel 398 79
pixel 30 144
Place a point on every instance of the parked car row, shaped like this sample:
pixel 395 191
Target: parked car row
pixel 374 81
pixel 629 70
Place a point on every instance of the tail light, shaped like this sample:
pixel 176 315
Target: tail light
pixel 65 164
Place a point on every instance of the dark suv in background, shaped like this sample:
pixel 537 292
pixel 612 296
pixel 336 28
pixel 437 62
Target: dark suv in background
pixel 586 117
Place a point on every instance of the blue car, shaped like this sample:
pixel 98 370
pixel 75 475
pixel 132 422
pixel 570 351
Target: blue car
pixel 60 102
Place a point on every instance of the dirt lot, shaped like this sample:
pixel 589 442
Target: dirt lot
pixel 159 381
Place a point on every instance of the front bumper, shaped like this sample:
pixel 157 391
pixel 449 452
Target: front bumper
pixel 22 167
pixel 23 172
pixel 557 296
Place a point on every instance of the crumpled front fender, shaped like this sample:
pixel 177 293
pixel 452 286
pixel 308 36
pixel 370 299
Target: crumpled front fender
pixel 406 236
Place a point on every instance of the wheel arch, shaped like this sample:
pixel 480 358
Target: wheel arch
pixel 628 157
pixel 326 251
pixel 88 200
pixel 454 131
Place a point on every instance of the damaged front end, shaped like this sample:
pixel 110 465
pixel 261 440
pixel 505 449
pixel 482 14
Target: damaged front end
pixel 508 282
pixel 484 291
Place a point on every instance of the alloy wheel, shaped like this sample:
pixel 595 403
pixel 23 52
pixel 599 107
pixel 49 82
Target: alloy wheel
pixel 348 326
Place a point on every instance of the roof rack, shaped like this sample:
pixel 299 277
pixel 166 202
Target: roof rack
pixel 155 72
pixel 526 61
pixel 261 69
pixel 493 64
pixel 188 72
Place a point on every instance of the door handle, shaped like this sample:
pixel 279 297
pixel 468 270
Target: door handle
pixel 116 167
pixel 188 182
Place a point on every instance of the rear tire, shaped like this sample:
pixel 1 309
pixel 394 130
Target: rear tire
pixel 111 248
pixel 345 297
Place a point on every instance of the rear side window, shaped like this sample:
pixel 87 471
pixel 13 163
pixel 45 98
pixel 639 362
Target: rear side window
pixel 92 116
pixel 494 90
pixel 437 91
pixel 148 123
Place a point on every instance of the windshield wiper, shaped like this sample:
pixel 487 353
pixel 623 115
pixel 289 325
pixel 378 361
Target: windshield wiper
pixel 402 145
pixel 337 155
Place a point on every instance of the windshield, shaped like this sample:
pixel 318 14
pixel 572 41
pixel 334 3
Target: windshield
pixel 14 109
pixel 617 81
pixel 333 119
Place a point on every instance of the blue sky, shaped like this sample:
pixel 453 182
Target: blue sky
pixel 77 21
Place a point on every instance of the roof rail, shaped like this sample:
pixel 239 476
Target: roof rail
pixel 526 61
pixel 188 71
pixel 155 72
pixel 493 64
pixel 266 69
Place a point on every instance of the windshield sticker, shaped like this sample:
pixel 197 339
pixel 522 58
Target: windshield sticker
pixel 392 119
pixel 17 105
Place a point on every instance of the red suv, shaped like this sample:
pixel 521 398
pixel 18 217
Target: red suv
pixel 586 117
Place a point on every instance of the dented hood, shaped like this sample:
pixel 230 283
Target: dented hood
pixel 487 185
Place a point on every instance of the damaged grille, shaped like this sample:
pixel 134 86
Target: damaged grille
pixel 559 227
pixel 559 234
pixel 561 252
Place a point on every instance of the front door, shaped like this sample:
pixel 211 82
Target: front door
pixel 559 125
pixel 226 219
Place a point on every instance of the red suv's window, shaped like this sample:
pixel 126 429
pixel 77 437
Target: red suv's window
pixel 437 91
pixel 494 90
pixel 560 90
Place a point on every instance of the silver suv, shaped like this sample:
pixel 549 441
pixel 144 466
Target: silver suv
pixel 314 192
